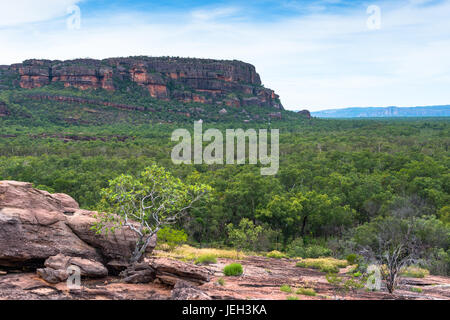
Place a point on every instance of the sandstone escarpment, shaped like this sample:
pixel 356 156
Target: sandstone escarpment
pixel 231 83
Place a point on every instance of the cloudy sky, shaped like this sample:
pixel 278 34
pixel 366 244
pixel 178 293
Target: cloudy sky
pixel 316 54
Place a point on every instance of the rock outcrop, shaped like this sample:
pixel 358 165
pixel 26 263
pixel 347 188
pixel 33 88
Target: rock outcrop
pixel 305 113
pixel 185 291
pixel 36 225
pixel 57 268
pixel 230 83
pixel 169 271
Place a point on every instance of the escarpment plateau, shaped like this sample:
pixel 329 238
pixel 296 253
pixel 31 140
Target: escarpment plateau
pixel 228 83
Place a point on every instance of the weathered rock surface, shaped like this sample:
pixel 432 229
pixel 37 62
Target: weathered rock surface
pixel 169 271
pixel 27 286
pixel 185 291
pixel 139 273
pixel 36 225
pixel 187 80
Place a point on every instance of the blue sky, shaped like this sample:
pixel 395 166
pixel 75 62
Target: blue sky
pixel 316 54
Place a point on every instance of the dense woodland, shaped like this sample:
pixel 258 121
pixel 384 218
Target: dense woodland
pixel 338 179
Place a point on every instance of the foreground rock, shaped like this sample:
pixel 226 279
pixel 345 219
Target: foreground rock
pixel 56 268
pixel 139 273
pixel 185 291
pixel 36 225
pixel 170 272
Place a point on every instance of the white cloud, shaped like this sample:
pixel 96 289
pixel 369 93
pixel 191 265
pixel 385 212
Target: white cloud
pixel 17 12
pixel 313 61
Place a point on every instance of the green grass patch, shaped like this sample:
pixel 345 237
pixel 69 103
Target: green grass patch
pixel 276 255
pixel 415 272
pixel 306 292
pixel 206 259
pixel 286 288
pixel 327 265
pixel 233 270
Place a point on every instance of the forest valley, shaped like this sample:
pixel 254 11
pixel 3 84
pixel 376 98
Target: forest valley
pixel 344 187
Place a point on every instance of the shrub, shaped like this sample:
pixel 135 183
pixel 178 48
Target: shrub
pixel 298 249
pixel 415 272
pixel 354 259
pixel 234 269
pixel 276 254
pixel 221 281
pixel 206 259
pixel 286 288
pixel 418 290
pixel 171 237
pixel 316 251
pixel 327 265
pixel 292 298
pixel 306 292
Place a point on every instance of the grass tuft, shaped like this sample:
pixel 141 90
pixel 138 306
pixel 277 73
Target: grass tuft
pixel 327 265
pixel 276 255
pixel 206 259
pixel 233 270
pixel 286 288
pixel 306 292
pixel 415 272
pixel 188 253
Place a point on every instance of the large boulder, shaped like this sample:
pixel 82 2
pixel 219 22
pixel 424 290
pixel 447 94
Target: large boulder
pixel 36 225
pixel 169 272
pixel 56 268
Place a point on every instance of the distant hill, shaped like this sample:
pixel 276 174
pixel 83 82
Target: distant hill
pixel 389 112
pixel 205 81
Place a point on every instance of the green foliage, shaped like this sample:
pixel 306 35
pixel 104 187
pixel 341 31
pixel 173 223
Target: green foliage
pixel 146 204
pixel 292 298
pixel 444 215
pixel 286 288
pixel 276 255
pixel 221 281
pixel 417 290
pixel 327 265
pixel 298 249
pixel 354 283
pixel 234 269
pixel 415 272
pixel 246 235
pixel 171 237
pixel 353 258
pixel 206 259
pixel 306 292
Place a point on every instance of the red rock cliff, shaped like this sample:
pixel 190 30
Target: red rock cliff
pixel 231 83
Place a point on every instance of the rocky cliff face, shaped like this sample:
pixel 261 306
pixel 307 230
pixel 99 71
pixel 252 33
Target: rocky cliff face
pixel 231 83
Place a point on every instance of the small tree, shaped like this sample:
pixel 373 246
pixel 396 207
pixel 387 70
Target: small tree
pixel 396 242
pixel 145 204
pixel 245 236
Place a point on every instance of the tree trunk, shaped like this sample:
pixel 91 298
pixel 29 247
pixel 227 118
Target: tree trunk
pixel 304 225
pixel 141 245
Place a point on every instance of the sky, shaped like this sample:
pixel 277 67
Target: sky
pixel 316 55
